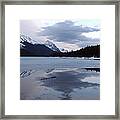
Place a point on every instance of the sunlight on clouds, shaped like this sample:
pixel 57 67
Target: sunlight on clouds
pixel 67 46
pixel 93 35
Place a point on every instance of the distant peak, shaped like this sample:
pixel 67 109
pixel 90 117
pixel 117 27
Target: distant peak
pixel 51 45
pixel 26 38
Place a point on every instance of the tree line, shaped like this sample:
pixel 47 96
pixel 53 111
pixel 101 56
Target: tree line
pixel 89 51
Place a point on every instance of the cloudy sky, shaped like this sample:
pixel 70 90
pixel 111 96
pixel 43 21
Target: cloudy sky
pixel 67 34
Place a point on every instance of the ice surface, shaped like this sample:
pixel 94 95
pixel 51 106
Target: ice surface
pixel 47 78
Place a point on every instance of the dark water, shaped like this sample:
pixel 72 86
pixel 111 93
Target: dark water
pixel 60 79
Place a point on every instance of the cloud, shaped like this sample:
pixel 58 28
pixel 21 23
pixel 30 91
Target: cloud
pixel 27 27
pixel 67 32
pixel 83 44
pixel 93 35
pixel 67 46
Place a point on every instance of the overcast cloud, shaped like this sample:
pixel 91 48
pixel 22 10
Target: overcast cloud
pixel 65 34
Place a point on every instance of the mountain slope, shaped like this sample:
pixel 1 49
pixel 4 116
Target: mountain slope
pixel 63 50
pixel 51 46
pixel 29 47
pixel 25 38
pixel 89 51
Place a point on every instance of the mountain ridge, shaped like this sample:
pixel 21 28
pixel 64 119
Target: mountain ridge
pixel 52 46
pixel 29 47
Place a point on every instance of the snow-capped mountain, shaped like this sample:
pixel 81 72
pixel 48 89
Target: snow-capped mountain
pixel 25 38
pixel 52 46
pixel 30 47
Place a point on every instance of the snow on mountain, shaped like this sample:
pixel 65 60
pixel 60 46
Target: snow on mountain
pixel 63 50
pixel 29 47
pixel 25 38
pixel 21 45
pixel 51 46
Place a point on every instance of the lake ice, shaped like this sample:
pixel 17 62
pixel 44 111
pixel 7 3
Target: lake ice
pixel 59 78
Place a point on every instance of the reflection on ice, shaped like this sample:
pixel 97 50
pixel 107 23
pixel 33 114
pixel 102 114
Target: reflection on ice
pixel 59 79
pixel 67 81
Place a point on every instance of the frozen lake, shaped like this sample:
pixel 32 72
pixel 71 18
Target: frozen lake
pixel 59 78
